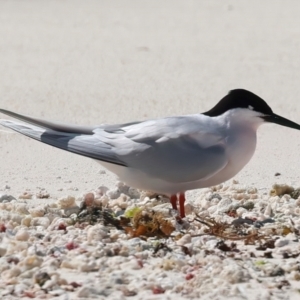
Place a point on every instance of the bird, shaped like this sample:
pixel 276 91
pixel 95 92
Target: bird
pixel 170 155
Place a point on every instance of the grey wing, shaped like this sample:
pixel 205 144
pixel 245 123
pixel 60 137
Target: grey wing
pixel 176 149
pixel 179 160
pixel 76 139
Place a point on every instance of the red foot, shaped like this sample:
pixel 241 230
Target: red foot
pixel 181 205
pixel 173 201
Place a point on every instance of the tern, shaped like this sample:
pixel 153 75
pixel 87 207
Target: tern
pixel 170 155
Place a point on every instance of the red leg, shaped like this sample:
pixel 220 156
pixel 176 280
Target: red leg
pixel 181 205
pixel 173 200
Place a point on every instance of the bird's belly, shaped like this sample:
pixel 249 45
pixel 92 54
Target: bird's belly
pixel 140 180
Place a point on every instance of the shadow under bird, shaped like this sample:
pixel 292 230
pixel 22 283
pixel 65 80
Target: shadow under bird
pixel 169 155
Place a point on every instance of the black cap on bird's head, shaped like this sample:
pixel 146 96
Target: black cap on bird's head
pixel 240 98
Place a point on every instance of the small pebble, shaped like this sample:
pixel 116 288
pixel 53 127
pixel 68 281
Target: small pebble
pixel 2 251
pixel 97 233
pixel 25 195
pixel 37 212
pixel 281 242
pixel 6 198
pixel 89 199
pixel 22 235
pixel 42 221
pixel 83 292
pixel 186 239
pixel 66 202
pixel 43 195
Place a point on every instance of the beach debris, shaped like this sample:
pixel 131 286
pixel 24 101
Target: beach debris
pixel 232 234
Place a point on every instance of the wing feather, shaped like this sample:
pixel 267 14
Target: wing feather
pixel 83 144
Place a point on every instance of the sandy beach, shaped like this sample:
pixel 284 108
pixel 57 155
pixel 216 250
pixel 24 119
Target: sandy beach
pixel 93 62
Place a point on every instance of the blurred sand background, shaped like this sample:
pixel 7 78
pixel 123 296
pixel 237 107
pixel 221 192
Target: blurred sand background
pixel 92 62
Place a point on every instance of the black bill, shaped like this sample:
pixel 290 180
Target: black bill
pixel 281 121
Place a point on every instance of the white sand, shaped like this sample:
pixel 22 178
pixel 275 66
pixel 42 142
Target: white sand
pixel 104 62
pixel 91 62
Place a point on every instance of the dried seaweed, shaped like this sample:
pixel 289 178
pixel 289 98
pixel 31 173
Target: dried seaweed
pixel 228 231
pixel 91 214
pixel 161 246
pixel 148 223
pixel 270 243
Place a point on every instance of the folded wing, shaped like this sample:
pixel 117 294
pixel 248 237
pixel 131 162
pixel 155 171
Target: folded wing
pixel 175 149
